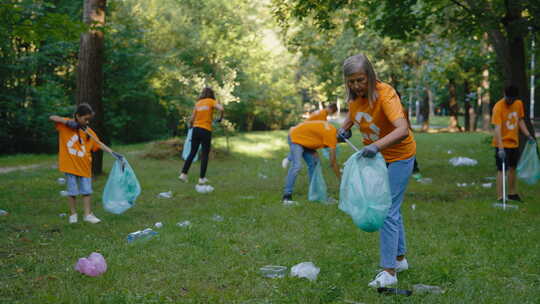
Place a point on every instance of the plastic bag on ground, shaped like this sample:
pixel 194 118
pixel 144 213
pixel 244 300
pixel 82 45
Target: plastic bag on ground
pixel 528 168
pixel 306 270
pixel 462 161
pixel 187 146
pixel 92 266
pixel 122 188
pixel 364 192
pixel 317 186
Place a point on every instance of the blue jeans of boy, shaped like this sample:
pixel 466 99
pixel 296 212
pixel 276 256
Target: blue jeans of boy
pixel 392 233
pixel 297 152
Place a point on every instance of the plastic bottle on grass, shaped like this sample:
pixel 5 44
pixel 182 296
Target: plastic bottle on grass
pixel 421 288
pixel 141 234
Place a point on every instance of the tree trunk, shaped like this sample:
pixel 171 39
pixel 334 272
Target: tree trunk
pixel 427 100
pixel 467 113
pixel 486 111
pixel 453 107
pixel 90 72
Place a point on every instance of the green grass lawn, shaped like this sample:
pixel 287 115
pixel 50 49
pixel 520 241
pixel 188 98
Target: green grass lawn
pixel 456 240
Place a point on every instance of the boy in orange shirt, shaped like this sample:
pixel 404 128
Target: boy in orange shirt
pixel 507 116
pixel 76 142
pixel 323 114
pixel 304 140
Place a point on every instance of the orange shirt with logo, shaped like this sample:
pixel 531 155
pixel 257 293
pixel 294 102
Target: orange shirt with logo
pixel 314 134
pixel 375 122
pixel 318 115
pixel 204 108
pixel 507 117
pixel 74 150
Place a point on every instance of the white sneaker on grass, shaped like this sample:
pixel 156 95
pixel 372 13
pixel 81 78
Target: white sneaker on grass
pixel 73 218
pixel 91 218
pixel 183 177
pixel 383 279
pixel 285 163
pixel 203 180
pixel 402 265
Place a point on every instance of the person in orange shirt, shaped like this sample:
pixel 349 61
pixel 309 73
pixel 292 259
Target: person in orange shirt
pixel 376 109
pixel 75 144
pixel 323 114
pixel 304 140
pixel 201 122
pixel 507 116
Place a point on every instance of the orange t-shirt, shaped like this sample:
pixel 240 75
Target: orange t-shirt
pixel 376 122
pixel 508 116
pixel 318 115
pixel 74 150
pixel 204 108
pixel 314 134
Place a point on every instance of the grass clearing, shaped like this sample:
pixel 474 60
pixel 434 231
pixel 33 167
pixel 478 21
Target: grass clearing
pixel 456 240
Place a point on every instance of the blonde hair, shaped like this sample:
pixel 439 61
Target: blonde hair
pixel 360 63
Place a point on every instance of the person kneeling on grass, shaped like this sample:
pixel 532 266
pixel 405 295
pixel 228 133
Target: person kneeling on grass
pixel 507 116
pixel 304 140
pixel 75 144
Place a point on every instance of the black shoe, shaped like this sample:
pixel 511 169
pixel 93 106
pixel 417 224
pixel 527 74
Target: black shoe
pixel 287 197
pixel 514 197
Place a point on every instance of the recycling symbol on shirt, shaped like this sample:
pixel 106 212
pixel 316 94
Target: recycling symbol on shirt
pixel 511 123
pixel 376 131
pixel 70 145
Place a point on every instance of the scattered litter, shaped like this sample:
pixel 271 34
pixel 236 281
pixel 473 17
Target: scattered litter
pixel 462 161
pixel 394 291
pixel 490 178
pixel 449 152
pixel 421 288
pixel 487 185
pixel 505 206
pixel 204 188
pixel 413 207
pixel 331 201
pixel 92 266
pixel 167 194
pixel 217 218
pixel 61 180
pixel 425 180
pixel 461 184
pixel 141 234
pixel 247 197
pixel 3 212
pixel 62 215
pixel 306 270
pixel 184 224
pixel 290 203
pixel 262 176
pixel 63 193
pixel 417 176
pixel 273 271
pixel 158 225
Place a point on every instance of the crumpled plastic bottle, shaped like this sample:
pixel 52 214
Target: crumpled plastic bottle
pixel 141 234
pixel 421 288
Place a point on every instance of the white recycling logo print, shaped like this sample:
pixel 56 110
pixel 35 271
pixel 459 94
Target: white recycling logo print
pixel 376 131
pixel 511 123
pixel 71 149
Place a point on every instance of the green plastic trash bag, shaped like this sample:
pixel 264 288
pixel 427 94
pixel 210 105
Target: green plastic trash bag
pixel 122 188
pixel 187 147
pixel 528 168
pixel 326 152
pixel 317 186
pixel 364 192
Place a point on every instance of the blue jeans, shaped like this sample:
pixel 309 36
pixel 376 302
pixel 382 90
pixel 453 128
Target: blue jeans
pixel 392 232
pixel 78 185
pixel 297 152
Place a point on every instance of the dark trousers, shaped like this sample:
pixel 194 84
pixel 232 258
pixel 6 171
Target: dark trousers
pixel 201 137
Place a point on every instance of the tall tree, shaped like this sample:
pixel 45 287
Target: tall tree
pixel 90 71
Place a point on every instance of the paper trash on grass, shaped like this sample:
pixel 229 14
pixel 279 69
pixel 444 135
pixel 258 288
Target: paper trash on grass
pixel 204 188
pixel 184 224
pixel 306 270
pixel 167 194
pixel 158 225
pixel 462 161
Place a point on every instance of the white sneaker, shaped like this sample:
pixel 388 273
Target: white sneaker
pixel 203 180
pixel 183 177
pixel 383 279
pixel 73 218
pixel 285 163
pixel 402 265
pixel 91 218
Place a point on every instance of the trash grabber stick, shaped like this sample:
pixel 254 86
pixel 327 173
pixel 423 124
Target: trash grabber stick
pixel 350 143
pixel 504 182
